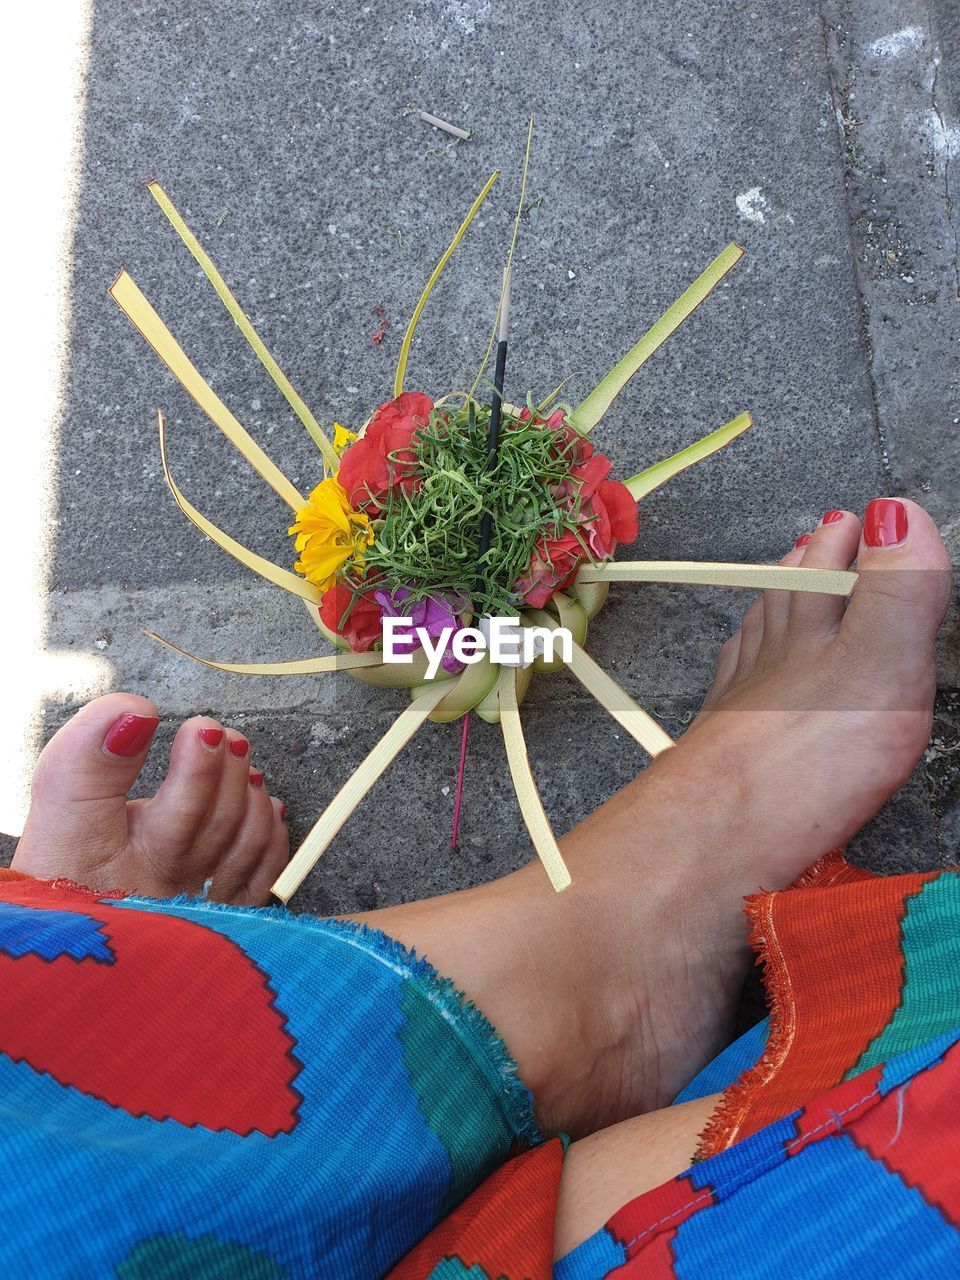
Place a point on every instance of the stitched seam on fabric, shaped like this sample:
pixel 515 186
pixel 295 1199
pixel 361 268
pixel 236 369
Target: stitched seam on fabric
pixel 763 1167
pixel 703 1196
pixel 836 1118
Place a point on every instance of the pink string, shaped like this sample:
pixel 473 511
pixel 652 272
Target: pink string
pixel 458 795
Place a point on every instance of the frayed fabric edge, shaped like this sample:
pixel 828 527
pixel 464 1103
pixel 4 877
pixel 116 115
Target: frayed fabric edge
pixel 723 1126
pixel 829 870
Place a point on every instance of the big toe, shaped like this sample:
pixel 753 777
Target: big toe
pixel 77 820
pixel 898 604
pixel 905 578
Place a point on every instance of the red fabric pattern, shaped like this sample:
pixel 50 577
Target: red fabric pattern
pixel 505 1227
pixel 658 1212
pixel 916 1134
pixel 193 1038
pixel 816 948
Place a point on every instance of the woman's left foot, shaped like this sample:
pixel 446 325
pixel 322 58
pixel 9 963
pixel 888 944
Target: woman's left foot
pixel 211 825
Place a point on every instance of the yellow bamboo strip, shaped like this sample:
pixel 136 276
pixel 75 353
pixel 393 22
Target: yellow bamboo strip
pixel 141 314
pixel 528 797
pixel 640 726
pixel 589 412
pixel 645 482
pixel 353 791
pixel 298 667
pixel 282 578
pixel 754 577
pixel 435 276
pixel 295 401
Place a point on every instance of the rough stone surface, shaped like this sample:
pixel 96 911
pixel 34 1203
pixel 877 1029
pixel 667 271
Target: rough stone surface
pixel 895 70
pixel 287 136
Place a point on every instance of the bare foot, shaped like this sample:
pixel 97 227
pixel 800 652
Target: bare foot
pixel 211 819
pixel 819 711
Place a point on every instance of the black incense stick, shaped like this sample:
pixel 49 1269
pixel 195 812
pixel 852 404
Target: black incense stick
pixel 496 410
pixel 486 524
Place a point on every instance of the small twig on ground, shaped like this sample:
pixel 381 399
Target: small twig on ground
pixel 455 130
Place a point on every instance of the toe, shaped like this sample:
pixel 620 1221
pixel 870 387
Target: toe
pixel 726 669
pixel 765 622
pixel 273 860
pixel 226 812
pixel 167 827
pixel 905 579
pixel 252 842
pixel 751 638
pixel 776 604
pixel 78 816
pixel 832 545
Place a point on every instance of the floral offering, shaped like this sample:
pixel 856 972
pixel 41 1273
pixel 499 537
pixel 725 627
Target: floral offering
pixel 397 529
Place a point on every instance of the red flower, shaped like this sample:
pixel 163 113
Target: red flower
pixel 607 516
pixel 385 454
pixel 621 510
pixel 553 566
pixel 357 618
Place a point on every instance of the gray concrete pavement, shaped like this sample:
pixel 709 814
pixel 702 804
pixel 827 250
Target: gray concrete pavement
pixel 895 72
pixel 286 135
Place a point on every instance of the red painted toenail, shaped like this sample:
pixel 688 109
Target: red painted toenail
pixel 283 812
pixel 256 778
pixel 832 517
pixel 238 747
pixel 803 539
pixel 211 737
pixel 130 734
pixel 885 523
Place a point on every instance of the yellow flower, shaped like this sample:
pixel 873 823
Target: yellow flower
pixel 342 437
pixel 329 534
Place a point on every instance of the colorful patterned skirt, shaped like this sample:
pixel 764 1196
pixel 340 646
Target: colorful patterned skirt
pixel 206 1092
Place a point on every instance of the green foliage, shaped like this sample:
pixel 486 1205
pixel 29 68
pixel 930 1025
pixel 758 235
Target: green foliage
pixel 429 540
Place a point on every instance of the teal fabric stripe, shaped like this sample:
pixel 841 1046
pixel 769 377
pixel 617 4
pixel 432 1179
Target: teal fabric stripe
pixel 930 995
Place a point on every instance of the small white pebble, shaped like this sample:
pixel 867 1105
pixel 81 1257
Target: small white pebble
pixel 444 791
pixel 571 275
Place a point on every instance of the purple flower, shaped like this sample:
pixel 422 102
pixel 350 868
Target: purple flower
pixel 433 613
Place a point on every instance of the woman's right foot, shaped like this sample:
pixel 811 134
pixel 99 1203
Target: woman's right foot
pixel 820 710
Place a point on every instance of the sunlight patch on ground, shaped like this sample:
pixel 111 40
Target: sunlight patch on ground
pixel 43 71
